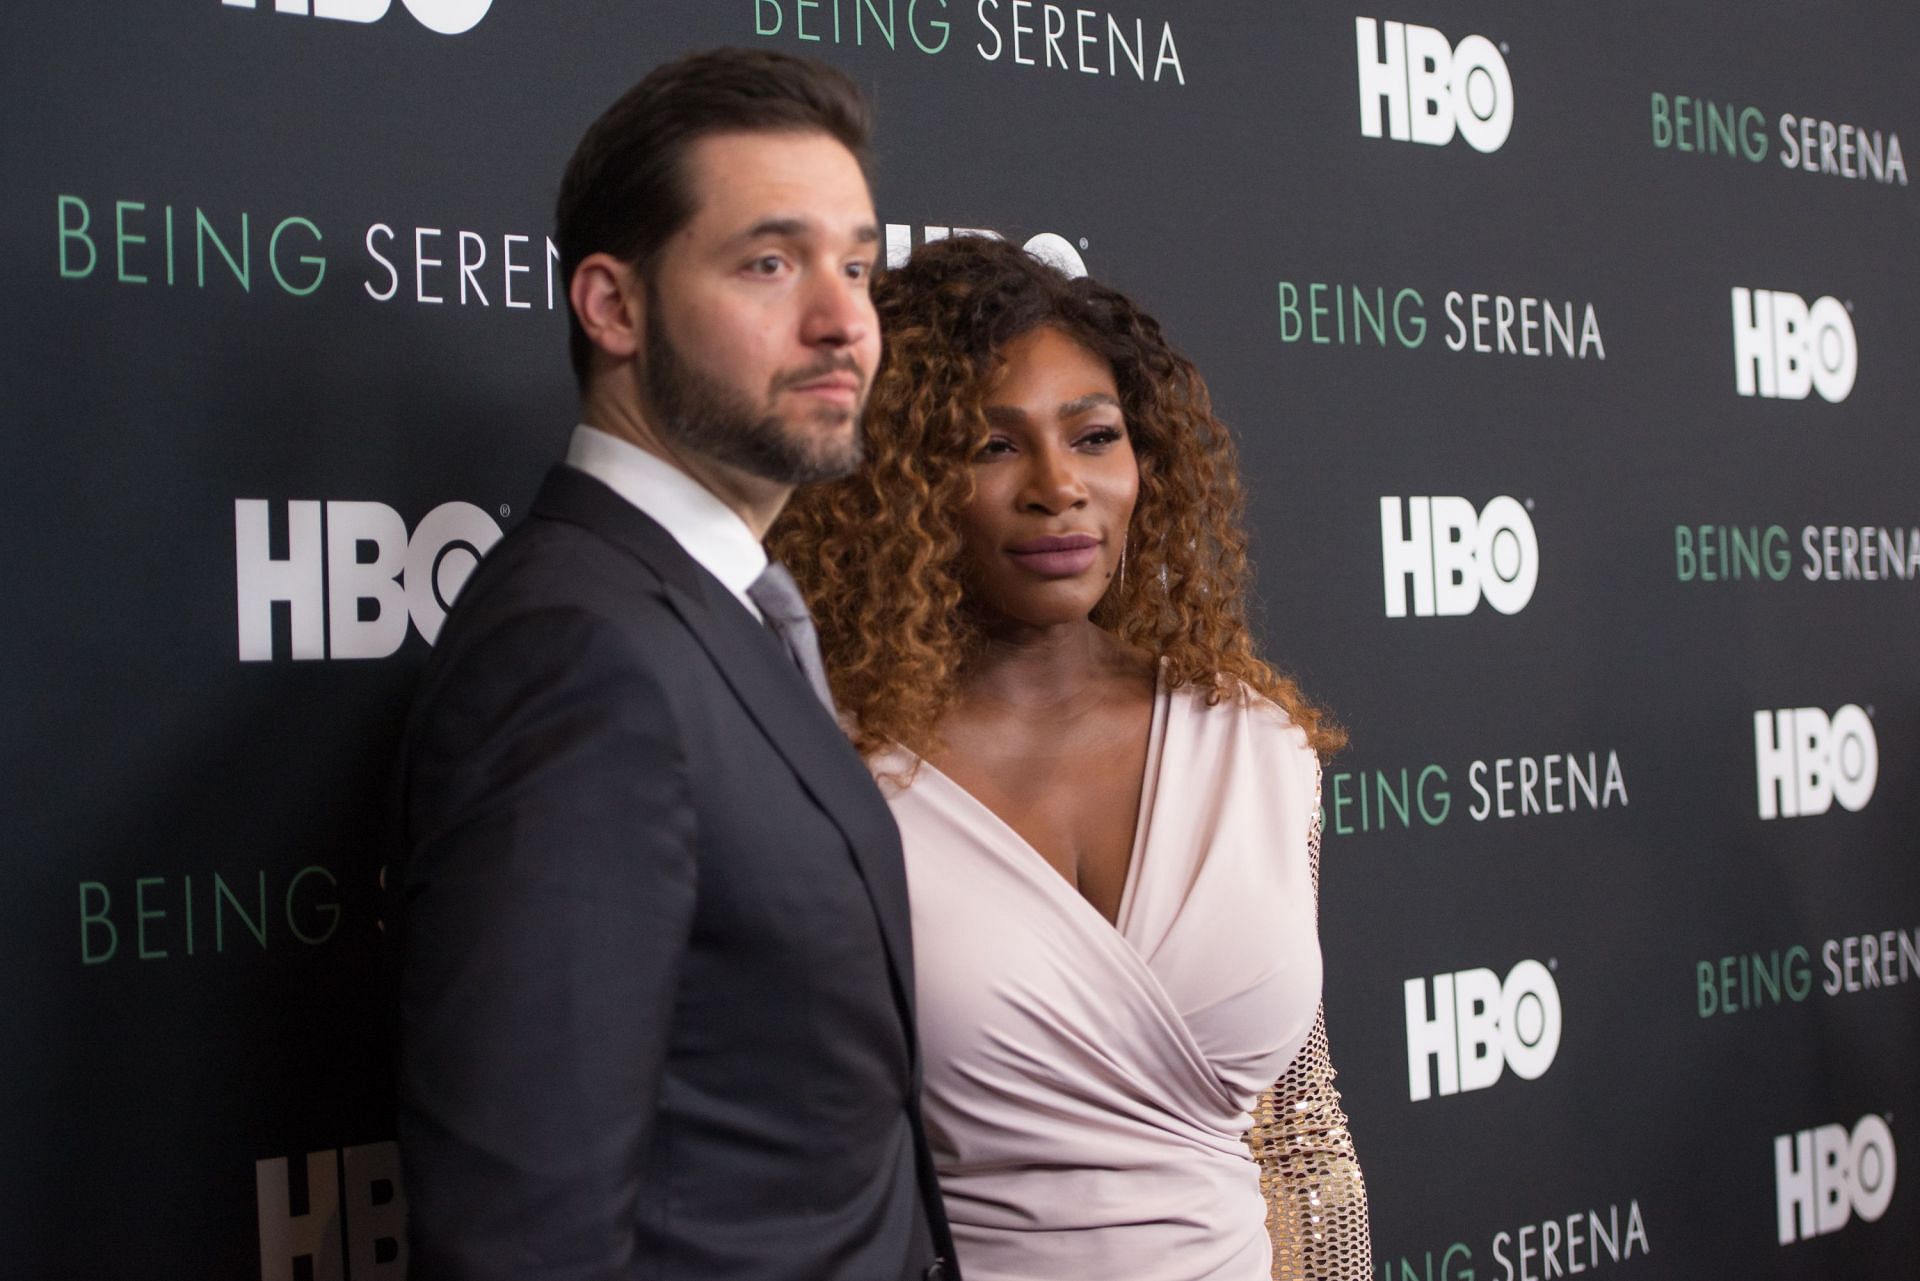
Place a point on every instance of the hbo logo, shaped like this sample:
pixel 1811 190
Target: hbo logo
pixel 367 1231
pixel 1824 1177
pixel 1480 1027
pixel 1432 88
pixel 1054 250
pixel 1454 557
pixel 1783 348
pixel 350 593
pixel 448 17
pixel 1806 760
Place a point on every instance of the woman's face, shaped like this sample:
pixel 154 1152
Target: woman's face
pixel 1053 489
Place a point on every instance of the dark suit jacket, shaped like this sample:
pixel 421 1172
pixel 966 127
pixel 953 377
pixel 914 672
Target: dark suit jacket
pixel 656 986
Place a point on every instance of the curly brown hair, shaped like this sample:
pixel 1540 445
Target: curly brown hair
pixel 878 553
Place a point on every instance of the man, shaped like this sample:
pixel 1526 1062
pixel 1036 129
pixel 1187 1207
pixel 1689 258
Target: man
pixel 656 989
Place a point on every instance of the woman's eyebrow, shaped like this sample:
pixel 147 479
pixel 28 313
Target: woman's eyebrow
pixel 1082 404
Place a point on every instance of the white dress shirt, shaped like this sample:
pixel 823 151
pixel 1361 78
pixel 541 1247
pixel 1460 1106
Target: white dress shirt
pixel 710 531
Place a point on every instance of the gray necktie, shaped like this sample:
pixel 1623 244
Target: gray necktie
pixel 785 609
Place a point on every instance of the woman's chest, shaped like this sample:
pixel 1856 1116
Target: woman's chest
pixel 1074 801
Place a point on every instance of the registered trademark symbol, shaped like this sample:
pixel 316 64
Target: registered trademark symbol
pixel 1504 47
pixel 1849 304
pixel 506 510
pixel 1083 245
pixel 1869 709
pixel 1553 962
pixel 1529 504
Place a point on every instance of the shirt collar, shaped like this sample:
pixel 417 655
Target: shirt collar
pixel 706 528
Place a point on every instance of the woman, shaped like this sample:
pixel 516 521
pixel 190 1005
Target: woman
pixel 1030 599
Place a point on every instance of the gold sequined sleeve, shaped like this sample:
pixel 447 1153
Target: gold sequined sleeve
pixel 1316 1199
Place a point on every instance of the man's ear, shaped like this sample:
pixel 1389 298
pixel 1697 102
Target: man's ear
pixel 610 304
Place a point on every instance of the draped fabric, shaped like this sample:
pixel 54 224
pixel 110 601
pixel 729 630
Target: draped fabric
pixel 1088 1085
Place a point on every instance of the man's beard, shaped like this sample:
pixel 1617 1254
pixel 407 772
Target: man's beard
pixel 693 409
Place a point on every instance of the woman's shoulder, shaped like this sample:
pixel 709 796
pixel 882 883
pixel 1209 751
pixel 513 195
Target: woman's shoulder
pixel 1235 709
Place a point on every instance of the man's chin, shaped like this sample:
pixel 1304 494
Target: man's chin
pixel 805 452
pixel 832 464
pixel 829 439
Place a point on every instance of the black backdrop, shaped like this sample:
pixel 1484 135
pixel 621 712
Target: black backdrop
pixel 220 229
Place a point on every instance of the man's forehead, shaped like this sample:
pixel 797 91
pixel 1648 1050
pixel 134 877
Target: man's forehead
pixel 790 182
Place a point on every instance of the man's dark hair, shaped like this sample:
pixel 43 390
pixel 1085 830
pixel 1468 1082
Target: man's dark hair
pixel 625 189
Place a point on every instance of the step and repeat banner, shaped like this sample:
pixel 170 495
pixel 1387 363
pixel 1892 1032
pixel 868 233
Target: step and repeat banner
pixel 1570 350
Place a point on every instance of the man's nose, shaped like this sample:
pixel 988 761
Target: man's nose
pixel 839 312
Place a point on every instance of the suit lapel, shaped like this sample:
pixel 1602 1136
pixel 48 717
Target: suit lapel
pixel 773 691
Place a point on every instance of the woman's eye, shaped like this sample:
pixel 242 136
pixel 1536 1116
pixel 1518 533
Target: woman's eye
pixel 1102 436
pixel 995 447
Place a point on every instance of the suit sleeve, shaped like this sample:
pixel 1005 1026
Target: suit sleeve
pixel 547 903
pixel 1316 1199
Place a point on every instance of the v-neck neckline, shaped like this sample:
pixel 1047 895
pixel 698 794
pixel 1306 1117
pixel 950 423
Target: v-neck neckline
pixel 1136 854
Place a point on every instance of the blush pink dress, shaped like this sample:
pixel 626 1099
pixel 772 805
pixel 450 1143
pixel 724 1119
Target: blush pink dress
pixel 1088 1085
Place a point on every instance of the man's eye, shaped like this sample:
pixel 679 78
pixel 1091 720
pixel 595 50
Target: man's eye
pixel 768 265
pixel 859 270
